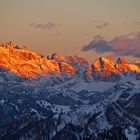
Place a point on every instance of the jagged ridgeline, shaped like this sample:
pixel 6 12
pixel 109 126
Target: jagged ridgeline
pixel 30 64
pixel 60 97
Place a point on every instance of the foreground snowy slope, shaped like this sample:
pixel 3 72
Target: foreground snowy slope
pixel 34 109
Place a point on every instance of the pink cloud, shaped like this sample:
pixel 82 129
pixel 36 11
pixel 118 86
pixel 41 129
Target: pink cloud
pixel 128 45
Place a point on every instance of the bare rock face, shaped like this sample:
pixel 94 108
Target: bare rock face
pixel 89 73
pixel 67 69
pixel 137 63
pixel 103 66
pixel 29 64
pixel 58 57
pixel 105 69
pixel 102 69
pixel 122 66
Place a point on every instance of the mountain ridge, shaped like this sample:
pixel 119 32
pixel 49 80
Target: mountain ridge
pixel 65 97
pixel 30 64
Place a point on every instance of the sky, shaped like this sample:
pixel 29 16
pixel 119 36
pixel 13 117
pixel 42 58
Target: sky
pixel 89 28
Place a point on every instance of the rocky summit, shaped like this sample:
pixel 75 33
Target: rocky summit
pixel 60 97
pixel 30 64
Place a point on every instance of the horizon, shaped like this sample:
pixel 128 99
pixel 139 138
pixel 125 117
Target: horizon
pixel 90 29
pixel 90 61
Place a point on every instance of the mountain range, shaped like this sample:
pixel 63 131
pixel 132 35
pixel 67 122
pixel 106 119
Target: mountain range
pixel 30 64
pixel 60 97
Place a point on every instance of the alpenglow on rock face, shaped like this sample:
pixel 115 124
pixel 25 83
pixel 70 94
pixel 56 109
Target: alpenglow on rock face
pixel 66 97
pixel 32 65
pixel 28 63
pixel 105 69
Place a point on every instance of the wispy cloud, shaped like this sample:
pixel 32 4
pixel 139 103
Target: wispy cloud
pixel 46 26
pixel 127 45
pixel 103 25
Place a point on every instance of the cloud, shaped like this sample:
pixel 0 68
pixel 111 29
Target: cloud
pixel 47 26
pixel 127 45
pixel 103 25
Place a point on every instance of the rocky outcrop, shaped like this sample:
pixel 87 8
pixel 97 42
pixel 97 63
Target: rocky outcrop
pixel 105 69
pixel 30 64
pixel 66 69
